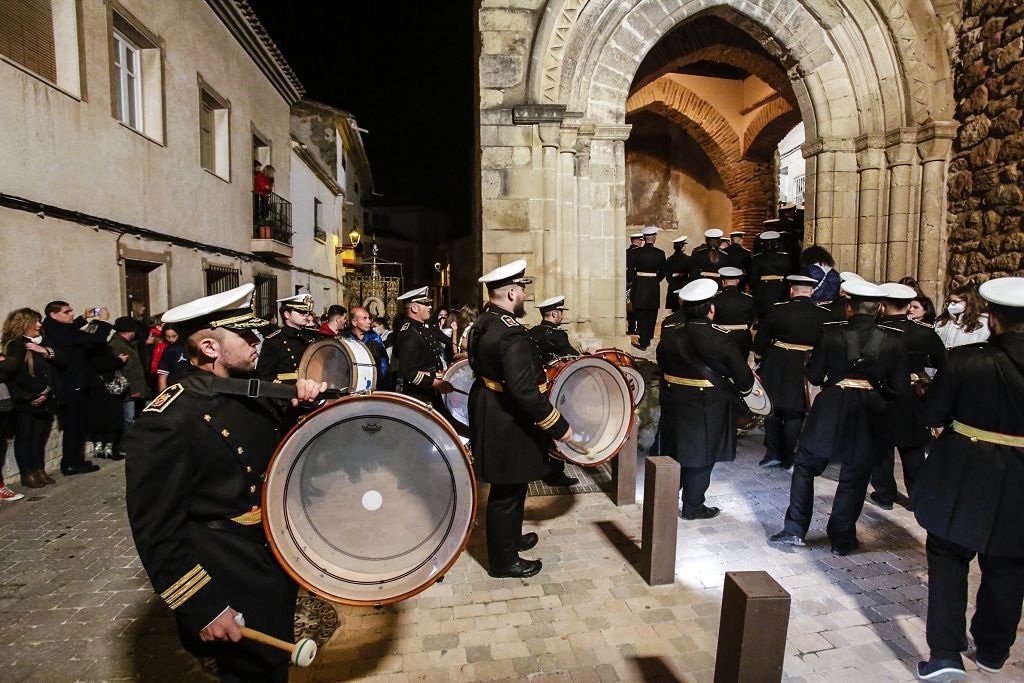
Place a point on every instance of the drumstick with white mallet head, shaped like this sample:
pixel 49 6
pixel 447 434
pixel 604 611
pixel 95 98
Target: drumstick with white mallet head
pixel 302 653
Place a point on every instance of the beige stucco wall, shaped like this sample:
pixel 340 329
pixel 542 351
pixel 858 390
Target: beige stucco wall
pixel 314 255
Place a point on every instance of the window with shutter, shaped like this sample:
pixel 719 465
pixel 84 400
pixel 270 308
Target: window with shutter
pixel 26 35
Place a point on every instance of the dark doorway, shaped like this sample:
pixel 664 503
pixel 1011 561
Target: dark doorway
pixel 136 288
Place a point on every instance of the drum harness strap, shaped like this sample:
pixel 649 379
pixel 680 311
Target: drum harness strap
pixel 254 388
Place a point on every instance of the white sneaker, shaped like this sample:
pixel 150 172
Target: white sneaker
pixel 7 494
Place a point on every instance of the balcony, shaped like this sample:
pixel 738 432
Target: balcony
pixel 271 225
pixel 320 235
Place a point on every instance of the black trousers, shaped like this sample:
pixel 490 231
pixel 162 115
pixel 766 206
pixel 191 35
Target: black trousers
pixel 781 431
pixel 645 321
pixel 33 429
pixel 630 323
pixel 883 477
pixel 74 412
pixel 998 603
pixel 694 483
pixel 556 468
pixel 846 507
pixel 505 505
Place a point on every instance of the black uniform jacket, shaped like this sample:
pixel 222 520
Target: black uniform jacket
pixel 924 350
pixel 282 351
pixel 969 491
pixel 648 268
pixel 850 425
pixel 630 268
pixel 767 279
pixel 698 425
pixel 677 274
pixel 705 262
pixel 511 421
pixel 419 353
pixel 734 308
pixel 741 257
pixel 797 322
pixel 552 341
pixel 196 458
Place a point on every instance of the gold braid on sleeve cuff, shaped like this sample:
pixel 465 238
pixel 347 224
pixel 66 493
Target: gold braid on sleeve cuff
pixel 185 587
pixel 549 421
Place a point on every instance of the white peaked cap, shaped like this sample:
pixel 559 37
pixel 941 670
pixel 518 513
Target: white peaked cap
pixel 712 233
pixel 700 289
pixel 1004 291
pixel 898 292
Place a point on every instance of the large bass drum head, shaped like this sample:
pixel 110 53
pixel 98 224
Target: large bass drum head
pixel 370 500
pixel 593 396
pixel 328 360
pixel 461 376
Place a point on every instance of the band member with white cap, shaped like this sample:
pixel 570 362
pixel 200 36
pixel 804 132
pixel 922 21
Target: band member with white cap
pixel 282 349
pixel 739 255
pixel 511 420
pixel 418 352
pixel 768 271
pixel 195 461
pixel 863 367
pixel 968 496
pixel 784 340
pixel 636 240
pixel 677 272
pixel 709 257
pixel 926 355
pixel 649 268
pixel 703 379
pixel 734 309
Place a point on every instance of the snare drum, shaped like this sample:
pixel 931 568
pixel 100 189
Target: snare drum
pixel 758 401
pixel 461 377
pixel 627 364
pixel 593 396
pixel 370 500
pixel 342 363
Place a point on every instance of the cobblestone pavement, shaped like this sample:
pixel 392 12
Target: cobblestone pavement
pixel 75 603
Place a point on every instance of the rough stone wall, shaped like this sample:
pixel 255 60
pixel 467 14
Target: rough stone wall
pixel 986 190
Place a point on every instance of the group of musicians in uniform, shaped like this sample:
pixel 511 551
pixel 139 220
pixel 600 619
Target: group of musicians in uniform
pixel 199 451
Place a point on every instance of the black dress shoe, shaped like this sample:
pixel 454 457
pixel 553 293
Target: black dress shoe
pixel 84 468
pixel 527 541
pixel 941 670
pixel 784 538
pixel 988 663
pixel 562 479
pixel 844 549
pixel 703 512
pixel 520 569
pixel 879 501
pixel 770 461
pixel 116 456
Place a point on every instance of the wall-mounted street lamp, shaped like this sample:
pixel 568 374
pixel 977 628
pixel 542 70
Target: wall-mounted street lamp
pixel 354 237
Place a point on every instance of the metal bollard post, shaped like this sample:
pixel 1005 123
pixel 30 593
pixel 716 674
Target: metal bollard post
pixel 624 469
pixel 752 631
pixel 661 520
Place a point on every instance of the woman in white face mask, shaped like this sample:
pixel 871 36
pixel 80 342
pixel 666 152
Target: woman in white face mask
pixel 962 321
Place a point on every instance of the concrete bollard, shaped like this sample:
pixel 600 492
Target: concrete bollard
pixel 752 631
pixel 624 469
pixel 661 520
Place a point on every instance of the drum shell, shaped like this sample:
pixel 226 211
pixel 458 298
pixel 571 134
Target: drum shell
pixel 613 415
pixel 456 402
pixel 627 364
pixel 361 366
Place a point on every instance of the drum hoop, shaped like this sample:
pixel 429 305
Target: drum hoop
pixel 629 419
pixel 641 385
pixel 448 375
pixel 307 355
pixel 394 398
pixel 630 360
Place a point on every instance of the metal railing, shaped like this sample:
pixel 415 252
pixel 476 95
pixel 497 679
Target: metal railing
pixel 320 235
pixel 271 218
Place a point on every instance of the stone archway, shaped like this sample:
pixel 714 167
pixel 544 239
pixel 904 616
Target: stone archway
pixel 870 81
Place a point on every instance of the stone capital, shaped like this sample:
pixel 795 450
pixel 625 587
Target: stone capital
pixel 567 136
pixel 901 146
pixel 869 149
pixel 548 134
pixel 818 146
pixel 935 140
pixel 526 114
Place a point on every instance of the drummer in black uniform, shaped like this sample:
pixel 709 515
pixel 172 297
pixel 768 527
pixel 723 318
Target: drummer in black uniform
pixel 703 379
pixel 784 340
pixel 863 367
pixel 419 353
pixel 677 272
pixel 194 480
pixel 734 310
pixel 649 268
pixel 740 256
pixel 768 271
pixel 511 421
pixel 709 257
pixel 636 240
pixel 925 352
pixel 282 350
pixel 968 496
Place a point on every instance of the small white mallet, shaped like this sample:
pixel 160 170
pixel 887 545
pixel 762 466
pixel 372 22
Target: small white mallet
pixel 302 653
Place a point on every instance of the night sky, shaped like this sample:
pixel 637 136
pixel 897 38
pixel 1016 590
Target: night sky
pixel 405 70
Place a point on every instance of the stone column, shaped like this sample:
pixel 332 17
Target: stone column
pixel 568 238
pixel 823 168
pixel 585 245
pixel 549 266
pixel 607 242
pixel 900 153
pixel 870 161
pixel 933 148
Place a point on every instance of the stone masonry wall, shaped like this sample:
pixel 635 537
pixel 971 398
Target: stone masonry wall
pixel 986 190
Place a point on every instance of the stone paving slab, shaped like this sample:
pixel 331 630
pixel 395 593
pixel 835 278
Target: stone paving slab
pixel 75 604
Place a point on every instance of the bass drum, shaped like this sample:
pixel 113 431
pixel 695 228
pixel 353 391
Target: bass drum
pixel 460 376
pixel 370 500
pixel 342 363
pixel 627 364
pixel 593 396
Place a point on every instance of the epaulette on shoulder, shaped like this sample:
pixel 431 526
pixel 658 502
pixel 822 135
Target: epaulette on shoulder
pixel 923 324
pixel 836 322
pixel 720 329
pixel 669 326
pixel 273 334
pixel 164 399
pixel 891 329
pixel 780 303
pixel 404 327
pixel 510 321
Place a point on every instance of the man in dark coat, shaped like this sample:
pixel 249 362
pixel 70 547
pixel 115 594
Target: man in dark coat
pixel 636 240
pixel 740 256
pixel 925 352
pixel 768 271
pixel 511 420
pixel 785 338
pixel 703 379
pixel 734 309
pixel 418 352
pixel 77 347
pixel 709 257
pixel 282 350
pixel 968 495
pixel 648 268
pixel 193 484
pixel 677 272
pixel 863 367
